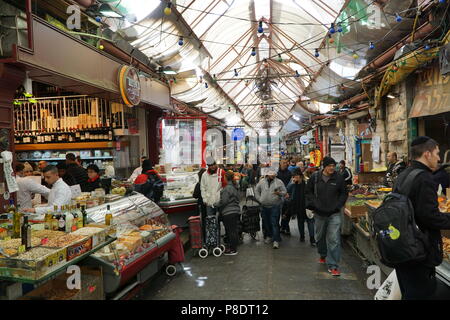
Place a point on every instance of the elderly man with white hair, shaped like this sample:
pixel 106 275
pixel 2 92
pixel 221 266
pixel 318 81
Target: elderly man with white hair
pixel 270 192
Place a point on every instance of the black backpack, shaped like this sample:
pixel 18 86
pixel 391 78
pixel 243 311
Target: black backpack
pixel 153 188
pixel 398 237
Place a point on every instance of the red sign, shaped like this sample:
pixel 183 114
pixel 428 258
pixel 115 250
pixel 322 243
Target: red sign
pixel 78 249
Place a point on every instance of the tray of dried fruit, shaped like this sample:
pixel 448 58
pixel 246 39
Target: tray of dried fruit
pixel 51 252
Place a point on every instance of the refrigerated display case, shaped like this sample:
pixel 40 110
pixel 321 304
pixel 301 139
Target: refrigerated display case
pixel 177 200
pixel 144 234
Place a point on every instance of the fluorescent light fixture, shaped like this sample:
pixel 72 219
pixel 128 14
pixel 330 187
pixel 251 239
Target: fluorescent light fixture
pixel 169 70
pixel 391 96
pixel 107 10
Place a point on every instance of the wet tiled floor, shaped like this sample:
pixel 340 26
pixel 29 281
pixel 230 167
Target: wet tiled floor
pixel 260 272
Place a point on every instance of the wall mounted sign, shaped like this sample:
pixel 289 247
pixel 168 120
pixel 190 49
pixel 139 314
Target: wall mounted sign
pixel 130 85
pixel 304 140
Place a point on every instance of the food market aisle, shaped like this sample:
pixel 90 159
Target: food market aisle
pixel 259 272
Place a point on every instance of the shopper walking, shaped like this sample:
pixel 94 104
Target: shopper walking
pixel 292 166
pixel 346 173
pixel 270 192
pixel 417 280
pixel 210 186
pixel 297 205
pixel 326 195
pixel 229 210
pixel 284 175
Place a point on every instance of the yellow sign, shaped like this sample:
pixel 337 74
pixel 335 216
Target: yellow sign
pixel 432 94
pixel 130 85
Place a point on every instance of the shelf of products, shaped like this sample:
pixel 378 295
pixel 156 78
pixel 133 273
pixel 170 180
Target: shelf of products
pixel 143 234
pixel 64 159
pixel 66 146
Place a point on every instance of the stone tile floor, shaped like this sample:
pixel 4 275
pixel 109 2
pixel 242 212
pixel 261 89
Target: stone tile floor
pixel 259 272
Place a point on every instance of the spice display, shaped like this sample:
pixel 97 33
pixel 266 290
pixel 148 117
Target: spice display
pixel 15 243
pixel 35 253
pixel 88 231
pixel 47 234
pixel 148 227
pixel 64 240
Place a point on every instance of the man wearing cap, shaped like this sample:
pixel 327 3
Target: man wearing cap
pixel 326 195
pixel 213 180
pixel 270 192
pixel 417 280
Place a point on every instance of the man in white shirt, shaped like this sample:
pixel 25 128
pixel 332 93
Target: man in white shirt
pixel 27 186
pixel 137 171
pixel 59 195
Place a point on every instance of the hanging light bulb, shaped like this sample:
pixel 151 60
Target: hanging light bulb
pixel 246 83
pixel 236 73
pixel 272 108
pixel 206 85
pixel 98 19
pixel 168 9
pixel 201 79
pixel 339 27
pixel 180 41
pixel 441 1
pixel 398 18
pixel 260 27
pixel 331 39
pixel 253 51
pixel 229 109
pixel 427 46
pixel 355 56
pixel 371 45
pixel 297 75
pixel 332 29
pixel 316 53
pixel 279 58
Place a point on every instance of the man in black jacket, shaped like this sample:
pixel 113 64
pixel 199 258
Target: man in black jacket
pixel 77 172
pixel 285 175
pixel 326 195
pixel 417 280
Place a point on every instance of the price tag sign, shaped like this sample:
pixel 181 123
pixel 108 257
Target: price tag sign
pixel 21 249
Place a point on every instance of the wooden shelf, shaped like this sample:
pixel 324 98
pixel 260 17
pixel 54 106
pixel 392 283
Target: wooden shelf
pixel 67 146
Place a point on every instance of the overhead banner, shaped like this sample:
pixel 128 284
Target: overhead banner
pixel 432 94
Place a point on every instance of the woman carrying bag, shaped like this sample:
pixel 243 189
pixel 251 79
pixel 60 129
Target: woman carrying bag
pixel 229 210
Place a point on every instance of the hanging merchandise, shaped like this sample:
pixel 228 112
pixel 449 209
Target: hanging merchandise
pixel 375 148
pixel 315 157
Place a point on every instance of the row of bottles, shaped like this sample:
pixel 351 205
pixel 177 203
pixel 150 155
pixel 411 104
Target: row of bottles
pixel 63 137
pixel 67 218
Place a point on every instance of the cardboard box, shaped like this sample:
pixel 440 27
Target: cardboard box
pixel 79 248
pixel 355 211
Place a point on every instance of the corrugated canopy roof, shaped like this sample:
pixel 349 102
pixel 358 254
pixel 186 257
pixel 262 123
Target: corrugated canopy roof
pixel 218 39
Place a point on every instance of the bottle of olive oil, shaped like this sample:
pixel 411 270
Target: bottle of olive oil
pixel 55 219
pixel 108 216
pixel 26 233
pixel 16 223
pixel 84 214
pixel 80 217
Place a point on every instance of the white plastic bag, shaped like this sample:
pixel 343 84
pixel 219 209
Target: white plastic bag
pixel 390 289
pixel 249 192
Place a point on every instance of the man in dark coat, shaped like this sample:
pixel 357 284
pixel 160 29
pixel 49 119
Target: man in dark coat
pixel 78 173
pixel 297 203
pixel 417 280
pixel 326 195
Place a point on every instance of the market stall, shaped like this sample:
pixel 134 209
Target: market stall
pixel 182 154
